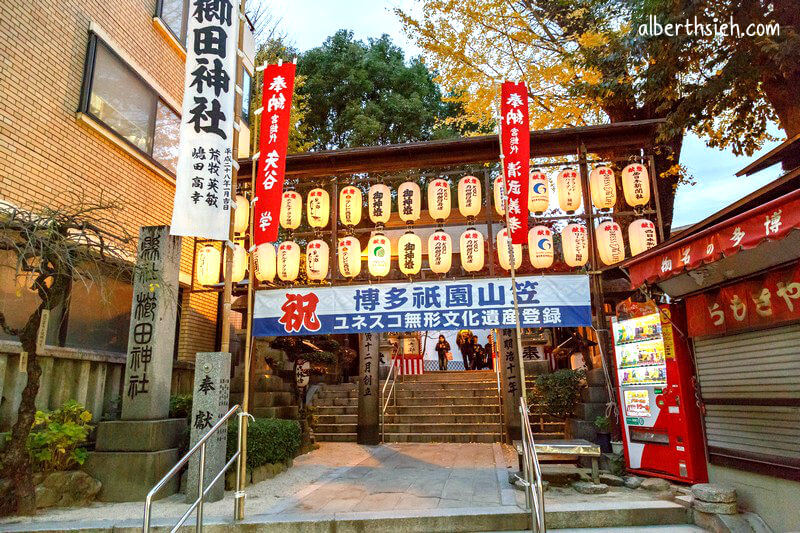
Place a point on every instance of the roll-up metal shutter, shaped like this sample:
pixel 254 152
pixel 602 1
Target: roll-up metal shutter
pixel 750 385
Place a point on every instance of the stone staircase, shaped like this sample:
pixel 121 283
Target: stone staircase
pixel 445 407
pixel 336 413
pixel 273 397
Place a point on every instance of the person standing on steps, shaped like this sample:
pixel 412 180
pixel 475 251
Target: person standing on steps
pixel 443 348
pixel 467 351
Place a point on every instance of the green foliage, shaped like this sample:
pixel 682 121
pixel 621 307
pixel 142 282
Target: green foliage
pixel 180 406
pixel 602 423
pixel 363 94
pixel 269 440
pixel 56 437
pixel 559 391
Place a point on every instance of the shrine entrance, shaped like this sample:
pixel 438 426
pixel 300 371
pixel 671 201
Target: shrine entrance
pixel 431 256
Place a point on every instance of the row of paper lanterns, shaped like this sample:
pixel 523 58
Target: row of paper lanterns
pixel 635 185
pixel 285 260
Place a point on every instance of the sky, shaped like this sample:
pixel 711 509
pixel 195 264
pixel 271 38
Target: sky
pixel 307 23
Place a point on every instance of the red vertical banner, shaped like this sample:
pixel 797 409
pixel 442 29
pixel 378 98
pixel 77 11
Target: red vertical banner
pixel 515 137
pixel 273 142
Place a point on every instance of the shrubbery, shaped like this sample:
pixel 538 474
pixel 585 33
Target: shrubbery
pixel 559 392
pixel 180 406
pixel 56 437
pixel 269 440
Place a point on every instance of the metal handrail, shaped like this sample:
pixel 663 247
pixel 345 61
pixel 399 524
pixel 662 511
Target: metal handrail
pixel 532 473
pixel 201 493
pixel 384 406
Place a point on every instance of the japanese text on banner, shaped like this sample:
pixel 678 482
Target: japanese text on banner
pixel 515 136
pixel 273 143
pixel 205 160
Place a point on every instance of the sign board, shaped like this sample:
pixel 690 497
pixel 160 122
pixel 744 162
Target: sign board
pixel 551 301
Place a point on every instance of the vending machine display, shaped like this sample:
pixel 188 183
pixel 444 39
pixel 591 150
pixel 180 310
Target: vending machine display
pixel 660 417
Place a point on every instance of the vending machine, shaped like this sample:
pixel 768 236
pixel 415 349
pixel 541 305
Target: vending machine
pixel 660 416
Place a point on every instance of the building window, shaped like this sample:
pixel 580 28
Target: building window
pixel 118 98
pixel 174 15
pixel 17 301
pixel 247 82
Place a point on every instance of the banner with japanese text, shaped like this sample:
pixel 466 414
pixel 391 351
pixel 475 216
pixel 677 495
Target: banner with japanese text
pixel 552 300
pixel 203 179
pixel 763 301
pixel 515 137
pixel 272 145
pixel 771 221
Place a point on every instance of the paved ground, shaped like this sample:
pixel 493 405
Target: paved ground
pixel 345 478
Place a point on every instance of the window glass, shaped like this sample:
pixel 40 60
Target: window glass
pixel 121 100
pixel 166 137
pixel 247 82
pixel 172 14
pixel 99 315
pixel 17 301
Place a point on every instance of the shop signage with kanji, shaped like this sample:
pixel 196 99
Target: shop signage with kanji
pixel 552 300
pixel 515 136
pixel 203 179
pixel 272 146
pixel 767 300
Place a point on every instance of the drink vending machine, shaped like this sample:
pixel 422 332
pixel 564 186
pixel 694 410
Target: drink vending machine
pixel 660 416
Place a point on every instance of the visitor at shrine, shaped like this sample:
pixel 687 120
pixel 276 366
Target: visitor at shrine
pixel 443 349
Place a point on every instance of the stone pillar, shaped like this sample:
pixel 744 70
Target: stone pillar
pixel 134 453
pixel 369 389
pixel 511 384
pixel 212 387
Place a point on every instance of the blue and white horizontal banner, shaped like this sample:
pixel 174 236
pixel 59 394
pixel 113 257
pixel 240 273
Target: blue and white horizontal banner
pixel 551 301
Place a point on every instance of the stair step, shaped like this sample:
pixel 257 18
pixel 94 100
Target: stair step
pixel 450 400
pixel 436 385
pixel 287 412
pixel 322 410
pixel 333 402
pixel 444 437
pixel 472 418
pixel 442 428
pixel 335 428
pixel 428 409
pixel 447 393
pixel 336 419
pixel 335 437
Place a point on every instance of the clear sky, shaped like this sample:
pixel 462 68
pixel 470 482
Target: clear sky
pixel 307 23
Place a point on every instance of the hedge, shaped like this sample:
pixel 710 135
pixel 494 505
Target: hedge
pixel 269 440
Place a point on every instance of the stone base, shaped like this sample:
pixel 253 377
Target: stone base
pixel 131 456
pixel 140 435
pixel 369 435
pixel 129 476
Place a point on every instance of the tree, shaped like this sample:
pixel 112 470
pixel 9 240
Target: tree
pixel 52 248
pixel 361 94
pixel 586 61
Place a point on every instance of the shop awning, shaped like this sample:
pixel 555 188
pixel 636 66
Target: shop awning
pixel 772 221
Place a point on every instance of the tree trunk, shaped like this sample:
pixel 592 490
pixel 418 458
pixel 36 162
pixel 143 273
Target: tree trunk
pixel 17 461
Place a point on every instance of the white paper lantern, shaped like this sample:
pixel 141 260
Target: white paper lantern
pixel 209 260
pixel 609 243
pixel 318 208
pixel 349 257
pixel 575 244
pixel 499 196
pixel 288 264
pixel 469 196
pixel 636 184
pixel 472 250
pixel 409 253
pixel 569 190
pixel 440 252
pixel 241 216
pixel 538 192
pixel 291 210
pixel 317 257
pixel 409 201
pixel 350 202
pixel 239 263
pixel 540 246
pixel 503 251
pixel 379 203
pixel 642 235
pixel 379 255
pixel 264 260
pixel 439 199
pixel 603 187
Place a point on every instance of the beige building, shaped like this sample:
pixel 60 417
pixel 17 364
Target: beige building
pixel 91 94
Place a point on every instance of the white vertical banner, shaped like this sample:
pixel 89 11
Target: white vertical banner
pixel 205 163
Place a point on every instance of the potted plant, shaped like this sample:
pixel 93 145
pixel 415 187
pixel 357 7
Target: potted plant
pixel 603 424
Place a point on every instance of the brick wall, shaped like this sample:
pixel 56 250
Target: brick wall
pixel 45 152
